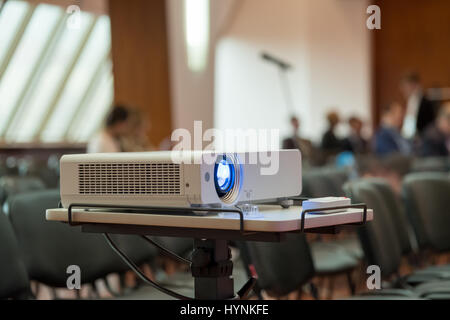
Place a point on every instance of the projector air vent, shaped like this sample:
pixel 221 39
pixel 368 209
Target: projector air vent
pixel 129 178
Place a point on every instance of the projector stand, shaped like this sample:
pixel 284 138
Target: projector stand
pixel 212 269
pixel 211 264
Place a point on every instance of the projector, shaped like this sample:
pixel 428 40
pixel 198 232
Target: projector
pixel 179 178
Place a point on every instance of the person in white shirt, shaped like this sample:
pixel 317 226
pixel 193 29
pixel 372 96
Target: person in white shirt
pixel 109 138
pixel 420 112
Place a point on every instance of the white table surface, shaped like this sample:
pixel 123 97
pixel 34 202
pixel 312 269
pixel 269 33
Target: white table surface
pixel 271 219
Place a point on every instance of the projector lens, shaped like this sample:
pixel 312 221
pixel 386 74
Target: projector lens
pixel 224 175
pixel 227 178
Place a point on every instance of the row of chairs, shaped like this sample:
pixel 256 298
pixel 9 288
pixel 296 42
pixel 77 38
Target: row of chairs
pixel 324 259
pixel 415 233
pixel 284 267
pixel 47 248
pixel 47 256
pixel 44 250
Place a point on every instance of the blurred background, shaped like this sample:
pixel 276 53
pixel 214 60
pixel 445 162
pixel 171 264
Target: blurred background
pixel 111 76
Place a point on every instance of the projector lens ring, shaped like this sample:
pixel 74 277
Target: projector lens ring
pixel 227 178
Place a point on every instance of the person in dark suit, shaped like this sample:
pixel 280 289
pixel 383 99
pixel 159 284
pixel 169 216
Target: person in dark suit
pixel 355 142
pixel 436 139
pixel 296 142
pixel 388 139
pixel 420 111
pixel 330 142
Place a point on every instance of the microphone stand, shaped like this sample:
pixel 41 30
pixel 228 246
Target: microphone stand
pixel 283 68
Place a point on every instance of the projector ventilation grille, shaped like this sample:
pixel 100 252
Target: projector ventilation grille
pixel 129 178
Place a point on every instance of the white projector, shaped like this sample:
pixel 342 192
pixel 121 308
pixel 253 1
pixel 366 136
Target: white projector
pixel 179 178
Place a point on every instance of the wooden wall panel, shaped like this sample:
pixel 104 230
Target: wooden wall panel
pixel 414 36
pixel 140 61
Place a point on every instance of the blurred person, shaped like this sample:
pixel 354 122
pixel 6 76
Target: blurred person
pixel 136 139
pixel 388 139
pixel 436 138
pixel 296 142
pixel 420 112
pixel 355 141
pixel 109 138
pixel 330 142
pixel 166 144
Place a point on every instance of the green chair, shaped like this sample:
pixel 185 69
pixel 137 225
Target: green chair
pixel 427 201
pixel 382 247
pixel 49 248
pixel 282 267
pixel 14 281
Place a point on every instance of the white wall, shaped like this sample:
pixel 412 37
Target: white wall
pixel 327 42
pixel 340 67
pixel 192 94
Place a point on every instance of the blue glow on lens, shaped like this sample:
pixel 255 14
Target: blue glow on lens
pixel 224 175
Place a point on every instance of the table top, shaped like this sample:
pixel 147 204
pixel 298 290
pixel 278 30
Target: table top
pixel 272 218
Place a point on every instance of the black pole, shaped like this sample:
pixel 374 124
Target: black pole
pixel 287 90
pixel 283 68
pixel 212 270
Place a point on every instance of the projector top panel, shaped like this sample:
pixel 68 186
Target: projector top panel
pixel 159 156
pixel 188 155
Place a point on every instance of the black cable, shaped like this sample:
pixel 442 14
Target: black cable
pixel 141 275
pixel 168 252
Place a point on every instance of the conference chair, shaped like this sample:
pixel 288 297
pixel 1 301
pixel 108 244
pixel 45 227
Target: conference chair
pixel 337 177
pixel 281 268
pixel 340 256
pixel 49 248
pixel 403 229
pixel 382 247
pixel 14 282
pixel 431 164
pixel 315 184
pixel 427 201
pixel 378 237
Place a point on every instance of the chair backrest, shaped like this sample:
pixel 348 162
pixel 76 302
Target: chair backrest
pixel 427 201
pixel 315 184
pixel 49 248
pixel 379 239
pixel 12 185
pixel 282 267
pixel 397 212
pixel 324 182
pixel 337 178
pixel 431 164
pixel 14 282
